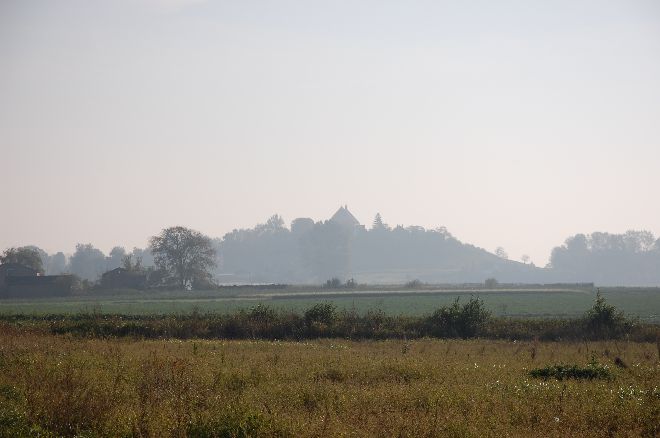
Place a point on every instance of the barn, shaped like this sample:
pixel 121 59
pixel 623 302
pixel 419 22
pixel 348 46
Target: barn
pixel 18 281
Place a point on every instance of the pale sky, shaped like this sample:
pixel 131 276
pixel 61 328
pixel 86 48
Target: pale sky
pixel 512 123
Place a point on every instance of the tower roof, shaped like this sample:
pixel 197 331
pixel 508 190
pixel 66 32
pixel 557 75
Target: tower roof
pixel 344 217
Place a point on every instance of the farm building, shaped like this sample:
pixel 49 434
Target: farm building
pixel 18 281
pixel 122 278
pixel 15 270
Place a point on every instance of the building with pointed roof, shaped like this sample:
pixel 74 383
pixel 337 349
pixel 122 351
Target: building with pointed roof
pixel 345 218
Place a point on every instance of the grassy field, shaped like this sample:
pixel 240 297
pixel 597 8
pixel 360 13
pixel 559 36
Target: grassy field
pixel 641 303
pixel 65 386
pixel 327 372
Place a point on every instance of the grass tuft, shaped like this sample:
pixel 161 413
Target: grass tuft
pixel 592 371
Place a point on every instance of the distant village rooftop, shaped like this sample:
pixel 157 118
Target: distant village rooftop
pixel 345 217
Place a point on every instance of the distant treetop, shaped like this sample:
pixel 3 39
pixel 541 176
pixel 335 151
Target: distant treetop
pixel 379 224
pixel 26 256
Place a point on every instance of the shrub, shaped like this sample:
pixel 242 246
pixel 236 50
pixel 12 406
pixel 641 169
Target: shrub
pixel 560 372
pixel 325 313
pixel 460 321
pixel 261 313
pixel 604 321
pixel 324 320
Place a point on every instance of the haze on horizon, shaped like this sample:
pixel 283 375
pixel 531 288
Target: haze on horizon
pixel 514 124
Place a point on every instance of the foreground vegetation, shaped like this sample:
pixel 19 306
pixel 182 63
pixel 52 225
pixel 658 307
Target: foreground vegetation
pixel 54 385
pixel 326 372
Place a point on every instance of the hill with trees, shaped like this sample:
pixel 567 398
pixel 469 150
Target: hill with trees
pixel 310 252
pixel 630 259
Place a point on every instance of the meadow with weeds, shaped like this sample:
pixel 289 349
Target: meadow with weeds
pixel 62 385
pixel 457 371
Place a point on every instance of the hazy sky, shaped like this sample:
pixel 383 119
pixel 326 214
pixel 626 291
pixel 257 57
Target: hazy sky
pixel 512 123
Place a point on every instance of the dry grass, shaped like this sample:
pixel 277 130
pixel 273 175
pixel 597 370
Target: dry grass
pixel 61 385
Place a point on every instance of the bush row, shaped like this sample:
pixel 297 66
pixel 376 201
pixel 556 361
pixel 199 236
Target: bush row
pixel 323 320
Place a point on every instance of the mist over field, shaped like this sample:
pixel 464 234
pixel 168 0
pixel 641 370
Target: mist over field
pixel 511 125
pixel 308 252
pixel 306 218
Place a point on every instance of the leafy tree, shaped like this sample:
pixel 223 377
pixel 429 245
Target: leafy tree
pixel 87 262
pixel 116 257
pixel 326 250
pixel 273 224
pixel 638 241
pixel 333 283
pixel 413 284
pixel 144 255
pixel 631 258
pixel 186 255
pixel 301 225
pixel 525 258
pixel 26 256
pixel 56 264
pixel 42 254
pixel 501 253
pixel 265 253
pixel 491 283
pixel 131 263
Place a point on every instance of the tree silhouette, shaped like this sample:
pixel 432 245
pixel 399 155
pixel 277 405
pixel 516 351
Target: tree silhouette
pixel 378 223
pixel 501 253
pixel 23 256
pixel 186 255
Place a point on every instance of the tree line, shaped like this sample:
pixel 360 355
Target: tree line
pixel 632 258
pixel 312 252
pixel 177 257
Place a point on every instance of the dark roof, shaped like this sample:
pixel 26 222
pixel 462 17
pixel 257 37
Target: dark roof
pixel 344 217
pixel 121 271
pixel 116 270
pixel 11 268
